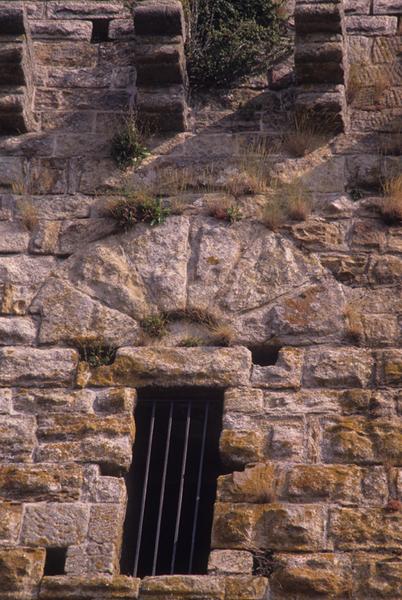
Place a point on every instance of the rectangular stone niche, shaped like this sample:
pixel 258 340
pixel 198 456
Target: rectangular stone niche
pixel 172 482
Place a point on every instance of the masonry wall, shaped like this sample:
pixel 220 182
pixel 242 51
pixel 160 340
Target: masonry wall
pixel 311 443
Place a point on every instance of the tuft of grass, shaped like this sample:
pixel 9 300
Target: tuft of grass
pixel 95 351
pixel 286 201
pixel 200 316
pixel 136 207
pixel 155 325
pixel 222 335
pixel 253 164
pixel 305 134
pixel 191 342
pixel 128 145
pixel 391 204
pixel 28 214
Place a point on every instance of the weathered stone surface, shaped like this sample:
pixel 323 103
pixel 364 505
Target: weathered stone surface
pixel 376 574
pixel 21 277
pixel 17 438
pixel 37 483
pixel 244 400
pixel 244 587
pixel 366 25
pixel 70 316
pixel 239 448
pixel 220 367
pixel 70 9
pixel 32 366
pixel 44 29
pixel 52 400
pixel 14 237
pixel 17 330
pixel 20 572
pixel 257 484
pixel 337 368
pixel 183 586
pixel 311 575
pixel 87 438
pixel 54 524
pixel 355 529
pixel 391 367
pixel 285 374
pixel 274 526
pixel 10 523
pixel 230 562
pixel 387 7
pixel 307 483
pixel 89 588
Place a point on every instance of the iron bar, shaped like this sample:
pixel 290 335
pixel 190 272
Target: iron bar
pixel 197 500
pixel 180 502
pixel 144 489
pixel 163 487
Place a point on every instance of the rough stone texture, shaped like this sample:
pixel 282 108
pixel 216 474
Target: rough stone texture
pixel 311 435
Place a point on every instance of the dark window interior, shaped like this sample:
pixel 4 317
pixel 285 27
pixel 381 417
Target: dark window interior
pixel 100 31
pixel 264 356
pixel 55 561
pixel 198 412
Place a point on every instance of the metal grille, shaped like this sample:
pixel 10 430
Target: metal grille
pixel 172 483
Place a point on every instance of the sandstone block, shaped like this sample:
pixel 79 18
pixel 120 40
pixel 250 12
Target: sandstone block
pixel 54 524
pixel 17 438
pixel 230 562
pixel 37 483
pixel 337 367
pixel 10 523
pixel 274 526
pixel 369 25
pixel 20 572
pixel 5 401
pixel 135 367
pixel 257 484
pixel 243 587
pixel 153 18
pixel 89 587
pixel 386 270
pixel 387 7
pixel 318 17
pixel 106 524
pixel 243 400
pixel 239 448
pixel 70 9
pixel 358 7
pixel 17 330
pixel 355 529
pixel 377 575
pixel 32 366
pixel 347 269
pixel 59 54
pixel 327 575
pixel 333 483
pixel 44 29
pixel 391 367
pixel 53 400
pixel 192 587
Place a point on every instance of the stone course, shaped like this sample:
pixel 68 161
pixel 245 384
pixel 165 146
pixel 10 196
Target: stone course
pixel 311 437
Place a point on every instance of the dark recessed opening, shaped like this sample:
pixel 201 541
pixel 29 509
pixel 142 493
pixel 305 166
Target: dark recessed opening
pixel 264 356
pixel 184 426
pixel 100 31
pixel 55 561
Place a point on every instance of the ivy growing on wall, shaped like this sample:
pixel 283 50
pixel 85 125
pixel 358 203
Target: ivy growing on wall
pixel 230 39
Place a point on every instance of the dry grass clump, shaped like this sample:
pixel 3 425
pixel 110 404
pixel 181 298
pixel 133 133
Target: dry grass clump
pixel 224 210
pixel 253 164
pixel 191 342
pixel 367 86
pixel 306 134
pixel 391 204
pixel 95 351
pixel 222 334
pixel 155 325
pixel 286 201
pixel 135 207
pixel 28 214
pixel 200 316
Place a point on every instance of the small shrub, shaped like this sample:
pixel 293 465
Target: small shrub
pixel 391 204
pixel 128 147
pixel 229 40
pixel 95 351
pixel 191 342
pixel 224 210
pixel 264 563
pixel 155 325
pixel 137 207
pixel 28 214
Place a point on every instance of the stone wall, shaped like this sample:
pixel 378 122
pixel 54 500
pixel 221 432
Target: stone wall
pixel 311 443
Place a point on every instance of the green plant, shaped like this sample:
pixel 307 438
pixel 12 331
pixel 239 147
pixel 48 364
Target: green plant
pixel 191 342
pixel 224 210
pixel 155 325
pixel 234 214
pixel 229 40
pixel 137 207
pixel 391 204
pixel 128 147
pixel 95 351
